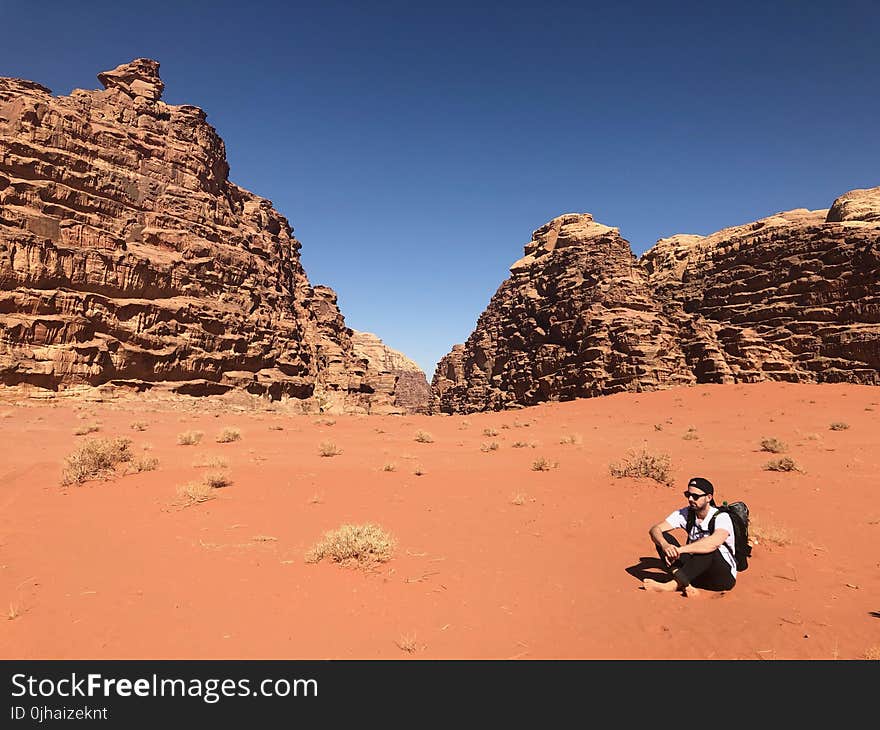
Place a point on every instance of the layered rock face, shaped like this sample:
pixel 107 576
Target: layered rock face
pixel 576 318
pixel 791 297
pixel 410 386
pixel 127 256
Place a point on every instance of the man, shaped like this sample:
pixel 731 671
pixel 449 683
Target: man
pixel 707 560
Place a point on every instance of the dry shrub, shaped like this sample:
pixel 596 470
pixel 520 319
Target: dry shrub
pixel 490 432
pixel 138 426
pixel 212 462
pixel 839 426
pixel 86 428
pixel 644 463
pixel 196 493
pixel 518 499
pixel 419 471
pixel 572 438
pixel 328 448
pixel 94 459
pixel 491 446
pixel 872 653
pixel 658 426
pixel 217 479
pixel 423 437
pixel 189 438
pixel 784 464
pixel 325 422
pixel 275 427
pixel 354 546
pixel 228 435
pixel 542 464
pixel 144 463
pixel 691 434
pixel 774 446
pixel 760 531
pixel 390 466
pixel 407 643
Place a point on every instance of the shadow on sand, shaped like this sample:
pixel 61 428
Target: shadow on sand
pixel 649 568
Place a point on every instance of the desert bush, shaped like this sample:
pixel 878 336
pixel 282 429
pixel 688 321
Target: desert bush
pixel 86 428
pixel 774 446
pixel 217 479
pixel 214 462
pixel 518 499
pixel 275 427
pixel 419 471
pixel 839 426
pixel 325 422
pixel 691 434
pixel 328 448
pixel 390 466
pixel 95 458
pixel 138 426
pixel 228 435
pixel 144 463
pixel 783 464
pixel 188 438
pixel 658 426
pixel 644 463
pixel 423 437
pixel 196 493
pixel 760 531
pixel 490 432
pixel 542 464
pixel 572 438
pixel 408 644
pixel 491 446
pixel 353 545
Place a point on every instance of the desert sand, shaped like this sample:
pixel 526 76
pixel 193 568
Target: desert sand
pixel 493 559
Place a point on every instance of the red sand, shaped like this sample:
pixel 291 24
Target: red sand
pixel 113 569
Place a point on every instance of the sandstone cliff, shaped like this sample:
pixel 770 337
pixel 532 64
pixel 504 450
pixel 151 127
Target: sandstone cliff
pixel 792 297
pixel 411 390
pixel 127 256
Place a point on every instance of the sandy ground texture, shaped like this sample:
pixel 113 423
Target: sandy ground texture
pixel 494 558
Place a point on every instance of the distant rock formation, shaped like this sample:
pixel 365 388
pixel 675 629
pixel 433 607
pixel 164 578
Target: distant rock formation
pixel 791 297
pixel 406 379
pixel 128 257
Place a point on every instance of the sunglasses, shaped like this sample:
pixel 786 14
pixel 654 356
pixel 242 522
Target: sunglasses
pixel 695 497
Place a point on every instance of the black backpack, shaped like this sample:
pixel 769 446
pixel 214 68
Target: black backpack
pixel 739 516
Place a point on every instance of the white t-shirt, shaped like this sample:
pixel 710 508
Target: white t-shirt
pixel 701 529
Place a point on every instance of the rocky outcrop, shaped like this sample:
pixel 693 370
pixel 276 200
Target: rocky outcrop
pixel 407 380
pixel 792 297
pixel 127 256
pixel 576 318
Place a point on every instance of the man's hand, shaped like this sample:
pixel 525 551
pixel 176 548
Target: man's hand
pixel 671 552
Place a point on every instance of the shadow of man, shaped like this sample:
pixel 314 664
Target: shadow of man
pixel 647 568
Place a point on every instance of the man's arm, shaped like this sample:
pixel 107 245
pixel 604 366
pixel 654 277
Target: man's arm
pixel 706 544
pixel 667 548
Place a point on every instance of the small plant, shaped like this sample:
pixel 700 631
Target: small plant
pixel 228 435
pixel 491 446
pixel 691 434
pixel 390 466
pixel 408 644
pixel 94 459
pixel 138 425
pixel 328 448
pixel 644 463
pixel 658 426
pixel 759 531
pixel 14 612
pixel 839 426
pixel 784 464
pixel 275 427
pixel 572 438
pixel 354 546
pixel 418 471
pixel 542 464
pixel 264 538
pixel 490 432
pixel 189 438
pixel 196 493
pixel 774 446
pixel 217 479
pixel 325 422
pixel 213 462
pixel 518 499
pixel 423 437
pixel 144 463
pixel 86 428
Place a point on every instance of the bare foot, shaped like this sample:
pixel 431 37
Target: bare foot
pixel 654 585
pixel 691 592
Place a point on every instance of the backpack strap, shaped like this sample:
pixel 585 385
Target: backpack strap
pixel 690 521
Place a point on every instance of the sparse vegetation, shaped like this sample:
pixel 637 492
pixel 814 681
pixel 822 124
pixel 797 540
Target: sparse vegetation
pixel 196 493
pixel 419 471
pixel 542 464
pixel 518 499
pixel 325 422
pixel 354 546
pixel 86 428
pixel 390 466
pixel 491 446
pixel 774 446
pixel 691 434
pixel 144 463
pixel 189 438
pixel 217 479
pixel 644 463
pixel 760 531
pixel 658 426
pixel 423 437
pixel 490 432
pixel 572 438
pixel 523 444
pixel 839 426
pixel 872 653
pixel 213 462
pixel 328 448
pixel 228 435
pixel 138 425
pixel 95 459
pixel 784 464
pixel 407 643
pixel 276 427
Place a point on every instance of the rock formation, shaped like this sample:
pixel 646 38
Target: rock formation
pixel 127 256
pixel 410 386
pixel 792 297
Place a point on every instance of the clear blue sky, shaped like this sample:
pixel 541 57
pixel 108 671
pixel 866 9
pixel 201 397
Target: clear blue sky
pixel 415 147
